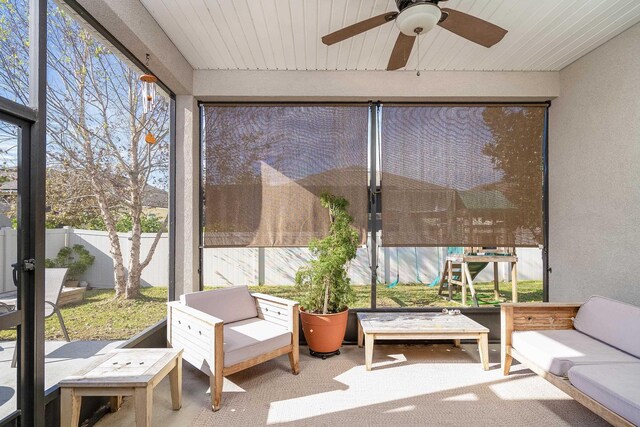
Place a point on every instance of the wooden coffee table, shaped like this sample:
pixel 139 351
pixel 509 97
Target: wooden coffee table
pixel 123 372
pixel 420 326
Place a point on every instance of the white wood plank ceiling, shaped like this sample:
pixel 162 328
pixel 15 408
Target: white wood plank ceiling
pixel 544 35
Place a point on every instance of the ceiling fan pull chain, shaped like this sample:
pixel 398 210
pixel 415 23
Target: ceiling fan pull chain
pixel 418 66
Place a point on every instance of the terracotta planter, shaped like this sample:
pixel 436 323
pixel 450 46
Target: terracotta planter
pixel 324 332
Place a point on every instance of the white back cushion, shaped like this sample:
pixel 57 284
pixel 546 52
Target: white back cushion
pixel 613 322
pixel 229 304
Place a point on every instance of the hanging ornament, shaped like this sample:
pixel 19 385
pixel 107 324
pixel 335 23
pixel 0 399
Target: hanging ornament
pixel 150 139
pixel 148 90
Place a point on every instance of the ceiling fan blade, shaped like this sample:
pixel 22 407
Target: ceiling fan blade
pixel 471 28
pixel 358 27
pixel 401 52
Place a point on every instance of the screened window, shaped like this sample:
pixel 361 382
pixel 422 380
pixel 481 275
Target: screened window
pixel 14 50
pixel 265 167
pixel 462 175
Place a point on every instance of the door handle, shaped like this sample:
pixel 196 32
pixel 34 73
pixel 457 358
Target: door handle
pixel 15 266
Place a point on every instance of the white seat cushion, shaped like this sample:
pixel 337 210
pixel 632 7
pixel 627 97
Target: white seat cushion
pixel 249 338
pixel 614 322
pixel 558 351
pixel 615 386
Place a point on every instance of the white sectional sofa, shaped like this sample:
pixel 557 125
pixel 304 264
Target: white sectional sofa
pixel 591 351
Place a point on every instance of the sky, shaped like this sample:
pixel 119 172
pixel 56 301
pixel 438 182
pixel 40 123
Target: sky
pixel 18 16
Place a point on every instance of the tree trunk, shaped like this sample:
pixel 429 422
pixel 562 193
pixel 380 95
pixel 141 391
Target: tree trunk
pixel 325 307
pixel 97 181
pixel 119 276
pixel 136 268
pixel 133 280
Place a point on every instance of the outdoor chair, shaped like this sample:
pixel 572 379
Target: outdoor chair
pixel 54 279
pixel 224 331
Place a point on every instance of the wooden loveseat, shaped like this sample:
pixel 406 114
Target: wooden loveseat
pixel 591 351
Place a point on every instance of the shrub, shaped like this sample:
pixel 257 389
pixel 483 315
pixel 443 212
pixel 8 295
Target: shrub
pixel 325 279
pixel 77 259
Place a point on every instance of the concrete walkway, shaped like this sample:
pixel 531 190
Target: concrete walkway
pixel 61 359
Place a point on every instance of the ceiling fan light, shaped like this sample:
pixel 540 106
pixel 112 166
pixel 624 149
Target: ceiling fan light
pixel 420 15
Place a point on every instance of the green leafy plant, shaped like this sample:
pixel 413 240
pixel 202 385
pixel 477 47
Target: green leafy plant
pixel 148 223
pixel 324 280
pixel 77 259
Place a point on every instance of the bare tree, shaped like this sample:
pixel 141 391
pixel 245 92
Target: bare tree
pixel 96 129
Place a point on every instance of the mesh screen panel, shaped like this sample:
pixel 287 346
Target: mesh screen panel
pixel 265 167
pixel 462 175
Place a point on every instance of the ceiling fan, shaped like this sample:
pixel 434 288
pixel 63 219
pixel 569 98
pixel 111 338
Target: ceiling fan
pixel 416 17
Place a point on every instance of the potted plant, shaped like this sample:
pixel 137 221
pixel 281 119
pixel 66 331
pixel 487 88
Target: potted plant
pixel 76 258
pixel 325 283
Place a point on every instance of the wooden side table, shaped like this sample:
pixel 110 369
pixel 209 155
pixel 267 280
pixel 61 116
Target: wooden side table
pixel 123 372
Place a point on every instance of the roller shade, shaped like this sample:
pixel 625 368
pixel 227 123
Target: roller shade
pixel 462 175
pixel 265 167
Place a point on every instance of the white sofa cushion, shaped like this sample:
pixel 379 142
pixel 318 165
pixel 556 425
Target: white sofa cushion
pixel 227 304
pixel 556 351
pixel 613 322
pixel 250 338
pixel 615 386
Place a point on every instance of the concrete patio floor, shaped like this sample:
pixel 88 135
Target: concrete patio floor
pixel 61 359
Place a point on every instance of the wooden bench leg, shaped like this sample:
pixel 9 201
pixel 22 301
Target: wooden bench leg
pixel 215 382
pixel 483 347
pixel 294 362
pixel 116 402
pixel 368 350
pixel 216 379
pixel 143 399
pixel 175 380
pixel 506 329
pixel 69 407
pixel 506 363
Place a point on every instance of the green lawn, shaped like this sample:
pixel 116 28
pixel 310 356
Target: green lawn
pixel 419 295
pixel 99 316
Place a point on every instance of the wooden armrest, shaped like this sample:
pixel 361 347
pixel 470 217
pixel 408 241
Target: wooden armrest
pixel 531 317
pixel 176 305
pixel 536 316
pixel 277 300
pixel 199 334
pixel 541 305
pixel 281 311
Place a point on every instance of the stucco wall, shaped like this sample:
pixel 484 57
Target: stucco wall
pixel 432 86
pixel 594 168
